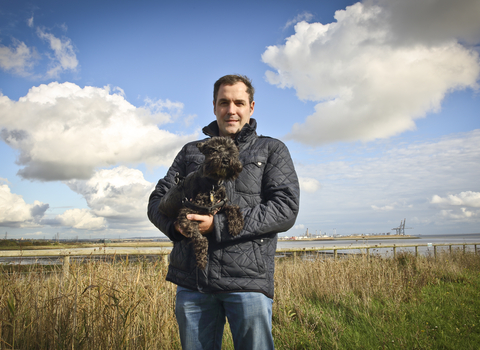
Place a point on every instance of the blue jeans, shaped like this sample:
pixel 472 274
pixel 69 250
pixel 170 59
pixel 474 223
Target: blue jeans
pixel 201 319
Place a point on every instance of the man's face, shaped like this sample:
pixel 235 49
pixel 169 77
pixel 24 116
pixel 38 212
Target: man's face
pixel 232 108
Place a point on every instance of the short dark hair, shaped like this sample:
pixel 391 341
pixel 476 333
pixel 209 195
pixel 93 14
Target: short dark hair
pixel 231 80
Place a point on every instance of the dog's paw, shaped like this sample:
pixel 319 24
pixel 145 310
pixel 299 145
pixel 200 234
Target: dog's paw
pixel 234 219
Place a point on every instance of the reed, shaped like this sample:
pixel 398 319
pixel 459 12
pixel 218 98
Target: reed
pixel 100 305
pixel 351 303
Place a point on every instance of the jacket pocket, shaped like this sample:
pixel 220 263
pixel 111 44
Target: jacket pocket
pixel 182 256
pixel 250 179
pixel 192 164
pixel 243 260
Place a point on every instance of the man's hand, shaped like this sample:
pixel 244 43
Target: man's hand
pixel 205 223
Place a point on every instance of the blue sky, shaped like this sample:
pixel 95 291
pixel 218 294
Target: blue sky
pixel 378 102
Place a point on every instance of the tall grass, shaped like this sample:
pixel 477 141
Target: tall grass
pixel 101 305
pixel 379 304
pixel 323 304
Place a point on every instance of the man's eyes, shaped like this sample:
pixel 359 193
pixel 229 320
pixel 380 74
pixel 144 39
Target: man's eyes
pixel 238 103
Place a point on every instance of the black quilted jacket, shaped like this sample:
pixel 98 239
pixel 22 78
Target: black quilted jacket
pixel 267 192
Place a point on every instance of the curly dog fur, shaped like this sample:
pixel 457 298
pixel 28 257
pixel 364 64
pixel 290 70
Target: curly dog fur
pixel 203 192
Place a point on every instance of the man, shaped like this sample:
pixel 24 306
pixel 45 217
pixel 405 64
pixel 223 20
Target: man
pixel 237 282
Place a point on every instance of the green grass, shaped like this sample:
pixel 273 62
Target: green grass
pixel 446 316
pixel 424 304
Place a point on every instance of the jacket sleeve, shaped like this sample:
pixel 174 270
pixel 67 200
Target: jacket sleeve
pixel 279 207
pixel 162 222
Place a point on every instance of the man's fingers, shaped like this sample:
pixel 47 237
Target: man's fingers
pixel 196 217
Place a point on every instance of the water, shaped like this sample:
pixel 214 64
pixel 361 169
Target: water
pixel 298 244
pixel 433 239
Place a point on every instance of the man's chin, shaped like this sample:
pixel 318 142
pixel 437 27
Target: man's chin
pixel 229 132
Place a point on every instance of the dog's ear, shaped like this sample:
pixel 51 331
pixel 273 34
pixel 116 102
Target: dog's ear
pixel 201 147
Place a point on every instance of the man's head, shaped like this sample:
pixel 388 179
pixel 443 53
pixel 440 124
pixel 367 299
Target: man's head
pixel 233 103
pixel 232 80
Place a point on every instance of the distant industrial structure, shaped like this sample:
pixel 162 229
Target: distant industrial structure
pixel 400 230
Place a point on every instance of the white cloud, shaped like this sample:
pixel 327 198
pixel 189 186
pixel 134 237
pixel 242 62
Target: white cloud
pixel 467 199
pixel 463 214
pixel 18 58
pixel 391 206
pixel 82 219
pixel 308 184
pixel 384 208
pixel 431 22
pixel 14 212
pixel 299 227
pixel 397 182
pixel 64 57
pixel 370 79
pixel 458 207
pixel 64 131
pixel 305 16
pixel 157 108
pixel 119 195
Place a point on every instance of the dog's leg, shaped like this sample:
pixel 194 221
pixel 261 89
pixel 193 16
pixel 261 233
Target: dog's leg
pixel 200 243
pixel 200 247
pixel 234 219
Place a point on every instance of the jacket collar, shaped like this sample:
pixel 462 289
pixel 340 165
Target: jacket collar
pixel 248 131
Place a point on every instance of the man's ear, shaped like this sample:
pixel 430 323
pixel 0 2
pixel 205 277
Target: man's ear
pixel 252 107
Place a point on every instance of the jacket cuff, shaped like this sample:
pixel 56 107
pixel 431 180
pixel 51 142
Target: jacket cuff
pixel 174 234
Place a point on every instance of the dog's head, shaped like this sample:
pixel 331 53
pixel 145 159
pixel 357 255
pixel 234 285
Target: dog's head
pixel 221 158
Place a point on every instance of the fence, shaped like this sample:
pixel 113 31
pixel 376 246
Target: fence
pixel 365 249
pixel 65 254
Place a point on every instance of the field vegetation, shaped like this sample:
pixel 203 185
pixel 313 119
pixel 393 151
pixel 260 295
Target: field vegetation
pixel 351 303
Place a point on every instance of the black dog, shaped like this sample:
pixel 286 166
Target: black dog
pixel 203 192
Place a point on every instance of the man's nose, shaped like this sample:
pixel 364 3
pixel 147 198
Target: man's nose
pixel 232 109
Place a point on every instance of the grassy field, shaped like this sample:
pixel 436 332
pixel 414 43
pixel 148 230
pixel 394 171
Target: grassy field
pixel 402 303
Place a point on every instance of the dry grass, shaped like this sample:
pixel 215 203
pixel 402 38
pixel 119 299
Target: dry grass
pixel 121 305
pixel 101 305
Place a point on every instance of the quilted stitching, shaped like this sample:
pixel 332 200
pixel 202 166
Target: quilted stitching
pixel 268 193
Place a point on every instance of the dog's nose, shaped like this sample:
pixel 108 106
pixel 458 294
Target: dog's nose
pixel 225 161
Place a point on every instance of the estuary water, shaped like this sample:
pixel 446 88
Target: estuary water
pixel 427 239
pixel 468 239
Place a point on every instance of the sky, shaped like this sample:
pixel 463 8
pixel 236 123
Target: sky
pixel 378 102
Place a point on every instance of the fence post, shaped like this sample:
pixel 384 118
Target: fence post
pixel 394 252
pixel 450 250
pixel 435 251
pixel 464 249
pixel 335 255
pixel 416 251
pixel 368 254
pixel 66 266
